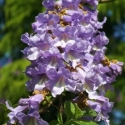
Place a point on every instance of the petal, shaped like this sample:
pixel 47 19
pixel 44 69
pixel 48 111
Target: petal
pixel 25 38
pixel 57 90
pixel 33 53
pixel 56 86
pixel 33 119
pixel 37 98
pixel 94 105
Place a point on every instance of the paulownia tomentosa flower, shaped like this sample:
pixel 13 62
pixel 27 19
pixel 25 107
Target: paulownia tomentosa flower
pixel 67 53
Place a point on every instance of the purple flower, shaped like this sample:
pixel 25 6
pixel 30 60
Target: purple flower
pixel 49 19
pixel 101 105
pixel 94 79
pixel 100 41
pixel 70 4
pixel 14 114
pixel 85 31
pixel 32 102
pixel 49 4
pixel 59 81
pixel 27 104
pixel 117 67
pixel 39 79
pixel 33 118
pixel 67 53
pixel 65 34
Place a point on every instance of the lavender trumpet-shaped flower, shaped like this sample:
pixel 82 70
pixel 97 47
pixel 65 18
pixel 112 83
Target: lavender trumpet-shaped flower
pixel 67 53
pixel 30 105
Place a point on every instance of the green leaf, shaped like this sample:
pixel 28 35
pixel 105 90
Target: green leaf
pixel 91 112
pixel 69 122
pixel 84 123
pixel 3 106
pixel 69 109
pixel 78 112
pixel 54 122
pixel 59 118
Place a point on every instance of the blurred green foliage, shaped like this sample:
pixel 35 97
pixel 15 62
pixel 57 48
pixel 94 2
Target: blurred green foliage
pixel 113 9
pixel 12 80
pixel 18 16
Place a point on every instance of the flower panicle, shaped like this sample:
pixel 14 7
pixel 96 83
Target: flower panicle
pixel 67 53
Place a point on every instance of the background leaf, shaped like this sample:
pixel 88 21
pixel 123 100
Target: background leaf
pixel 3 106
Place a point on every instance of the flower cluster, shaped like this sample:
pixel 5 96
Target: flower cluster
pixel 67 53
pixel 26 113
